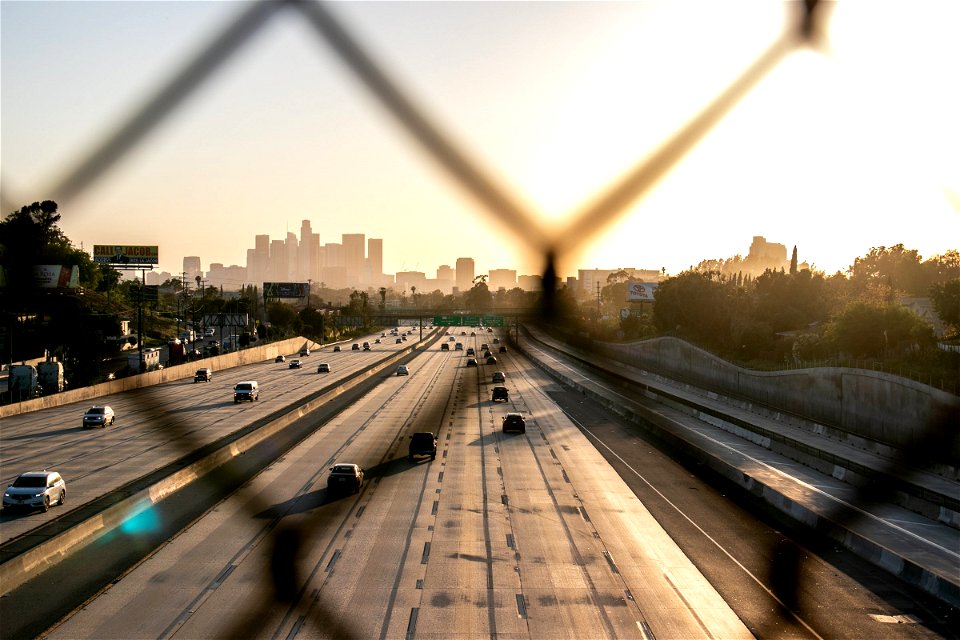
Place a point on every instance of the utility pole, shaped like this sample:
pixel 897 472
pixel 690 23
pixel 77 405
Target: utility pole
pixel 143 280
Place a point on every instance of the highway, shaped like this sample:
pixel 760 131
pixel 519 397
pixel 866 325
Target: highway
pixel 528 535
pixel 156 425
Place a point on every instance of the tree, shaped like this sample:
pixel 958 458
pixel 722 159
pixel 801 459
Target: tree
pixel 283 317
pixel 866 330
pixel 694 305
pixel 478 298
pixel 793 261
pixel 884 273
pixel 789 301
pixel 946 300
pixel 30 236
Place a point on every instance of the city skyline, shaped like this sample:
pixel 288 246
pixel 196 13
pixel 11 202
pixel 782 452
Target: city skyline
pixel 300 260
pixel 838 149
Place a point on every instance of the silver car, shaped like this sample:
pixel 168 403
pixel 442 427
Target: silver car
pixel 35 490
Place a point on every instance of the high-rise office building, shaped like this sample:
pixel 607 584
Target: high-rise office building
pixel 465 274
pixel 502 279
pixel 261 259
pixel 334 253
pixel 354 255
pixel 446 278
pixel 278 262
pixel 292 250
pixel 304 256
pixel 530 283
pixel 374 273
pixel 191 267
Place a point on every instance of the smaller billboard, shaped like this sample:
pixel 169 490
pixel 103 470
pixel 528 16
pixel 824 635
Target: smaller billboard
pixel 226 320
pixel 286 289
pixel 640 291
pixel 56 276
pixel 121 255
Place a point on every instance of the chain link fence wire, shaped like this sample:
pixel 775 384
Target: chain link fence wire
pixel 549 241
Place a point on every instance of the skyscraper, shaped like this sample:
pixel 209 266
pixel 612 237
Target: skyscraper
pixel 308 256
pixel 446 277
pixel 354 254
pixel 465 274
pixel 374 273
pixel 191 267
pixel 277 271
pixel 292 268
pixel 261 259
pixel 502 279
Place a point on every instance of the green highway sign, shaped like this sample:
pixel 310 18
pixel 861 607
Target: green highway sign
pixel 468 321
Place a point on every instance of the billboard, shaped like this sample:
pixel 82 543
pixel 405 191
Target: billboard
pixel 640 291
pixel 121 255
pixel 286 289
pixel 56 276
pixel 226 320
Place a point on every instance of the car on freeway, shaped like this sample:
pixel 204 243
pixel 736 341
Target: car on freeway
pixel 336 348
pixel 423 443
pixel 323 367
pixel 246 390
pixel 345 476
pixel 304 352
pixel 35 490
pixel 491 359
pixel 501 393
pixel 377 341
pixel 514 422
pixel 194 353
pixel 471 362
pixel 458 346
pixel 355 347
pixel 383 335
pixel 473 333
pixel 496 341
pixel 366 347
pixel 503 348
pixel 295 364
pixel 402 370
pixel 498 376
pixel 451 338
pixel 399 341
pixel 486 353
pixel 463 333
pixel 99 416
pixel 404 337
pixel 203 375
pixel 445 346
pixel 484 347
pixel 280 359
pixel 471 352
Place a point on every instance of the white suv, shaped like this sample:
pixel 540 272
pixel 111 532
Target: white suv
pixel 35 490
pixel 99 416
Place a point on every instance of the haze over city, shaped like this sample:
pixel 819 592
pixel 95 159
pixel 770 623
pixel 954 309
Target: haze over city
pixel 835 151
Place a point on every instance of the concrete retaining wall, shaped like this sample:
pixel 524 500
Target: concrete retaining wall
pixel 250 355
pixel 867 404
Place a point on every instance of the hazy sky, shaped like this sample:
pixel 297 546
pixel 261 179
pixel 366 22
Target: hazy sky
pixel 834 151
